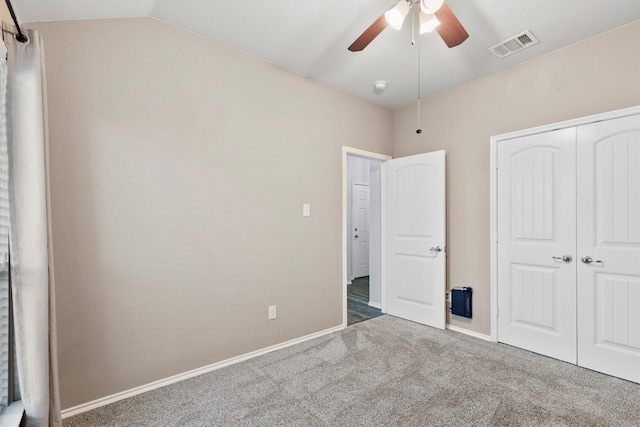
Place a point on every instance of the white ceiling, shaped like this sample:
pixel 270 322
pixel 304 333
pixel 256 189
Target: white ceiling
pixel 310 37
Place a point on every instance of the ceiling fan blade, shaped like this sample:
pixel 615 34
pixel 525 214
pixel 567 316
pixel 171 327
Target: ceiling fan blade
pixel 369 34
pixel 450 29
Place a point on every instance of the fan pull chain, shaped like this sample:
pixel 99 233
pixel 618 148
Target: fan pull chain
pixel 413 29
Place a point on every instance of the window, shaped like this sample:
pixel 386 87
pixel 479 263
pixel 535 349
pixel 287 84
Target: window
pixel 5 343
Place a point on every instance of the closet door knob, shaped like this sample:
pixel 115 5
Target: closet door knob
pixel 565 258
pixel 435 249
pixel 588 260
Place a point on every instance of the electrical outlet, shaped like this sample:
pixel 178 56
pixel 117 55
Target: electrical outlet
pixel 272 312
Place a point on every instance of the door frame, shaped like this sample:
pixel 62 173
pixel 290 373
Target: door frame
pixel 493 197
pixel 345 211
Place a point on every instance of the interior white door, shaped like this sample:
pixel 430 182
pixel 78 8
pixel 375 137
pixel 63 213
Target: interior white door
pixel 360 221
pixel 536 229
pixel 609 233
pixel 414 264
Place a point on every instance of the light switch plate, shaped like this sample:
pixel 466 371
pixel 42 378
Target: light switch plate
pixel 306 210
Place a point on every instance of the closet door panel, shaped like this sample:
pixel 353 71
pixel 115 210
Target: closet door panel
pixel 536 222
pixel 608 288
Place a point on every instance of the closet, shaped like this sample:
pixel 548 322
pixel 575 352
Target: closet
pixel 568 242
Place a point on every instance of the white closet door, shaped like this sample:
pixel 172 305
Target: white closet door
pixel 536 222
pixel 609 233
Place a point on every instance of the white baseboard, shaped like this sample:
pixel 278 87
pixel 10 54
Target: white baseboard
pixel 189 374
pixel 375 305
pixel 470 333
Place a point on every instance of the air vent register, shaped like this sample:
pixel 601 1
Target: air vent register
pixel 514 44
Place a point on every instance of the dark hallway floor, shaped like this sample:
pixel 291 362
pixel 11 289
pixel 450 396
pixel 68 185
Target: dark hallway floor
pixel 358 308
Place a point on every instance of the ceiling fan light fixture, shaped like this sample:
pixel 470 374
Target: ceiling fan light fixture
pixel 428 23
pixel 396 15
pixel 430 6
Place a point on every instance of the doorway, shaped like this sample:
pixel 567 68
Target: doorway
pixel 407 261
pixel 362 284
pixel 359 307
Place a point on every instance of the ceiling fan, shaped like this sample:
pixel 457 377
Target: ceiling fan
pixel 434 14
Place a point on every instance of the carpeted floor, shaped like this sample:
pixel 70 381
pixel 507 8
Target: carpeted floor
pixel 385 372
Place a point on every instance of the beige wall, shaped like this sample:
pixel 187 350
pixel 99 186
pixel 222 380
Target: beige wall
pixel 596 75
pixel 5 16
pixel 179 169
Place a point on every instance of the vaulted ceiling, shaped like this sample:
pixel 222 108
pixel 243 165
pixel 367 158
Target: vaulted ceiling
pixel 310 37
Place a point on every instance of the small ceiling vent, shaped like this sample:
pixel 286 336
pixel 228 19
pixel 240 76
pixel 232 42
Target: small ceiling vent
pixel 514 44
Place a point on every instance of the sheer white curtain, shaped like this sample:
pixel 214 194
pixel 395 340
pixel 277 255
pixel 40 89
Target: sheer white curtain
pixel 29 231
pixel 5 336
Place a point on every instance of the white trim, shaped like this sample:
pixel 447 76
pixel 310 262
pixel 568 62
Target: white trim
pixel 470 333
pixel 189 374
pixel 493 233
pixel 494 141
pixel 383 237
pixel 345 280
pixel 375 305
pixel 12 415
pixel 569 123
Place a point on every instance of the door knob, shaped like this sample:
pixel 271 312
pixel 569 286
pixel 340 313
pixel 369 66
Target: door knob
pixel 588 260
pixel 356 236
pixel 565 258
pixel 435 249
